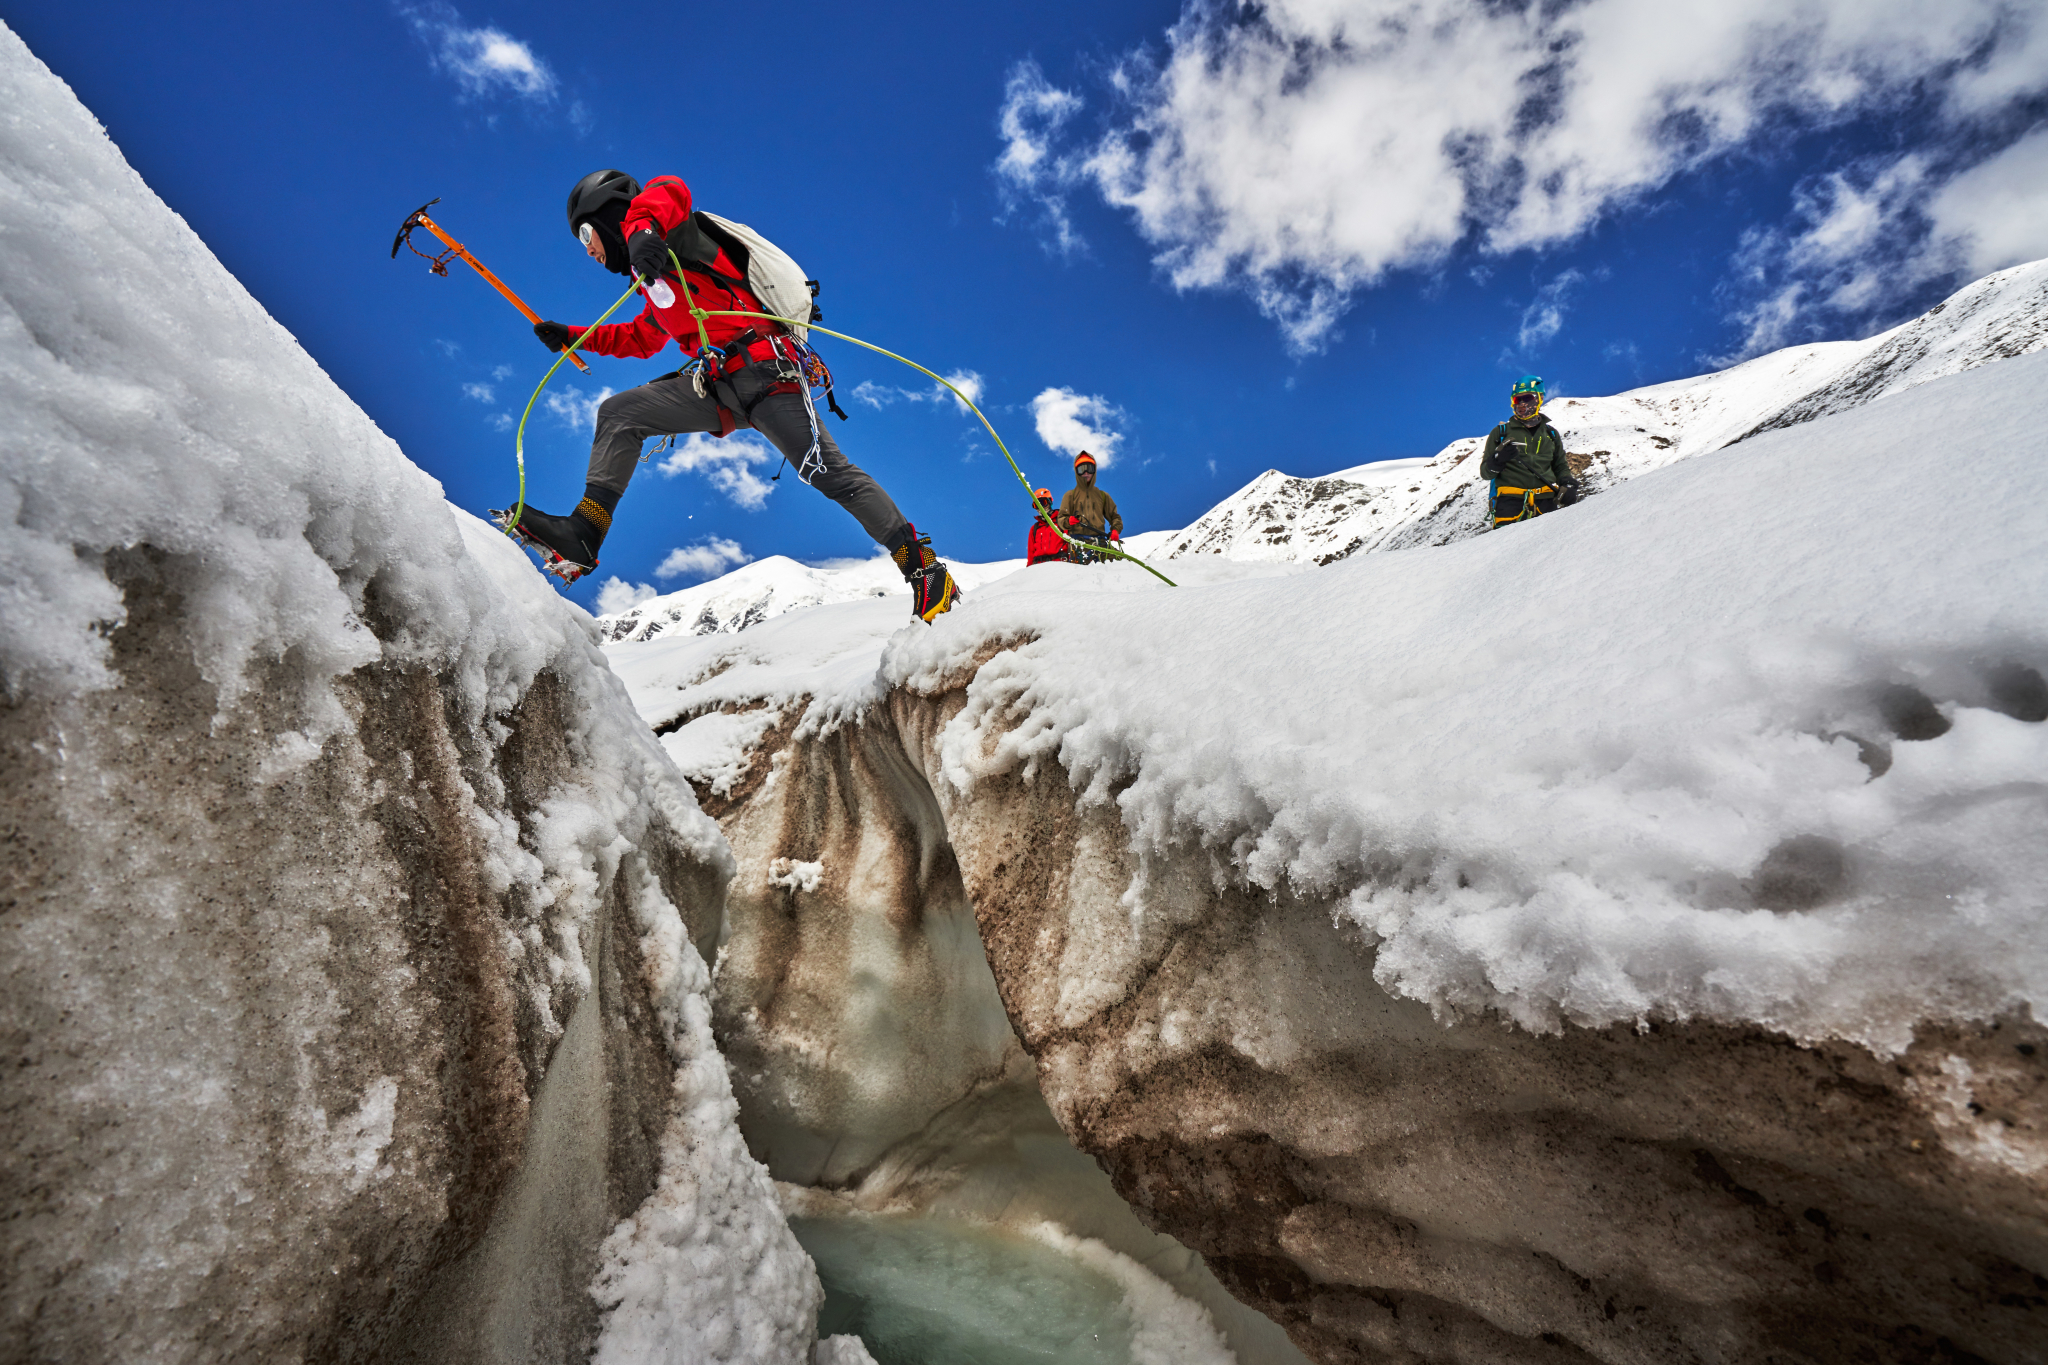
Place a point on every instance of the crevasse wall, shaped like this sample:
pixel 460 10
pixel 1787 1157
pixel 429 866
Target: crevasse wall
pixel 351 923
pixel 1389 1188
pixel 876 1069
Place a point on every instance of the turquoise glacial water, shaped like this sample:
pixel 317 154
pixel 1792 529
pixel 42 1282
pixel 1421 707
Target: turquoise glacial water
pixel 941 1291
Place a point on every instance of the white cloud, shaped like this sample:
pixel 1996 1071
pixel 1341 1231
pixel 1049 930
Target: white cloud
pixel 576 408
pixel 968 382
pixel 882 395
pixel 1544 317
pixel 482 393
pixel 706 559
pixel 1858 241
pixel 1997 211
pixel 1071 423
pixel 726 465
pixel 617 595
pixel 1029 170
pixel 503 422
pixel 482 60
pixel 1299 149
pixel 501 372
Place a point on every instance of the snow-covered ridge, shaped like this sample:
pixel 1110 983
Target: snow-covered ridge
pixel 1281 517
pixel 1751 780
pixel 1639 804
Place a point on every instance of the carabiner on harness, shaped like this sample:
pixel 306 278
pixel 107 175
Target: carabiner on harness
pixel 703 369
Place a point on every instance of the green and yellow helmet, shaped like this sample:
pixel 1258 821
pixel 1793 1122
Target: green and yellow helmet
pixel 1528 385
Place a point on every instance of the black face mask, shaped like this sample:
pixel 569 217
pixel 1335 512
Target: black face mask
pixel 606 225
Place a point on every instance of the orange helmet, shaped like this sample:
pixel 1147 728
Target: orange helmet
pixel 1084 455
pixel 1042 494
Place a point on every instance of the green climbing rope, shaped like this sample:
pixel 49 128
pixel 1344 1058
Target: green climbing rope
pixel 519 440
pixel 1090 547
pixel 701 314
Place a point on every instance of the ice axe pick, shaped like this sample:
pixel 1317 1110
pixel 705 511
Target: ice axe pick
pixel 439 264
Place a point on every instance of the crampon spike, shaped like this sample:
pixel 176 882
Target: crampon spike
pixel 506 520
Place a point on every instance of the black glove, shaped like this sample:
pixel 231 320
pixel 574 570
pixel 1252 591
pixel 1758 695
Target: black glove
pixel 553 335
pixel 648 254
pixel 1567 492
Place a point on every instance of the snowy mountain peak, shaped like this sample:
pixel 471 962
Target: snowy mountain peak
pixel 769 587
pixel 1396 504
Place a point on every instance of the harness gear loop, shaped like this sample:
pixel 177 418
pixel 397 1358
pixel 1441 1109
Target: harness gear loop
pixel 1528 509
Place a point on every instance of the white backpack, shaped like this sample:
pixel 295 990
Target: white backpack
pixel 772 276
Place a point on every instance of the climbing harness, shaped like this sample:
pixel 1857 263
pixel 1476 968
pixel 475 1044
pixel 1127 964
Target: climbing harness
pixel 809 368
pixel 1519 504
pixel 439 264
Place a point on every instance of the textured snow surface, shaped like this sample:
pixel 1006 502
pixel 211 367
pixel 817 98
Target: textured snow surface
pixel 1640 799
pixel 826 658
pixel 1771 754
pixel 1279 517
pixel 147 400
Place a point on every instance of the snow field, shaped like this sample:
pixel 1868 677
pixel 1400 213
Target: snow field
pixel 1600 768
pixel 1396 504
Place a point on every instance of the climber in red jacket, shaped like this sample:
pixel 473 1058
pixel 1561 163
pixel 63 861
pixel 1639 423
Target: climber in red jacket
pixel 743 372
pixel 1044 545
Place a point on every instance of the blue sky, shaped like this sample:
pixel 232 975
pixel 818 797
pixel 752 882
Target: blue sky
pixel 1302 236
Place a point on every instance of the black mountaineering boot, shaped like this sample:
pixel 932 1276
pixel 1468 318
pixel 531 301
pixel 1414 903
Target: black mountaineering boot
pixel 567 545
pixel 932 592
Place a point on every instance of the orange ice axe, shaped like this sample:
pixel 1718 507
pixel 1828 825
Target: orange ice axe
pixel 439 264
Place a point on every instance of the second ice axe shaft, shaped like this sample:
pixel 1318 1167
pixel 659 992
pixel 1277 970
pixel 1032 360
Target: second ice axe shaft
pixel 496 283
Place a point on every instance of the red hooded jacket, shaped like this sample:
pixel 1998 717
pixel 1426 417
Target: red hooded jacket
pixel 1044 545
pixel 662 206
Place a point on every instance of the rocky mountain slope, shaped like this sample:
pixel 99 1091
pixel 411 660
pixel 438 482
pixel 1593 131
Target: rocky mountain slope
pixel 352 926
pixel 1686 1009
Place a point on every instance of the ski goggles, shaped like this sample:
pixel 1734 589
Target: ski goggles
pixel 586 234
pixel 1526 402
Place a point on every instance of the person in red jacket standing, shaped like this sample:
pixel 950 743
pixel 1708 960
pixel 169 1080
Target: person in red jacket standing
pixel 743 372
pixel 1043 545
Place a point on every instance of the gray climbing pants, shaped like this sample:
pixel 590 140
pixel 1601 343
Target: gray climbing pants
pixel 670 406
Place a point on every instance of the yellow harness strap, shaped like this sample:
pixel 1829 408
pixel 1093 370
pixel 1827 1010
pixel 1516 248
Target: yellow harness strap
pixel 1529 507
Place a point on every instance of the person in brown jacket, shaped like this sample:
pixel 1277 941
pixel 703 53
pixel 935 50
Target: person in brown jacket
pixel 1093 509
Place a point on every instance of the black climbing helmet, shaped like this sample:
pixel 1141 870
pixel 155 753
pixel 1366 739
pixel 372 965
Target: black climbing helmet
pixel 601 197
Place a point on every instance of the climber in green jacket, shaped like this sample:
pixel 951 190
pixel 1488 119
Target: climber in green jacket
pixel 1525 459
